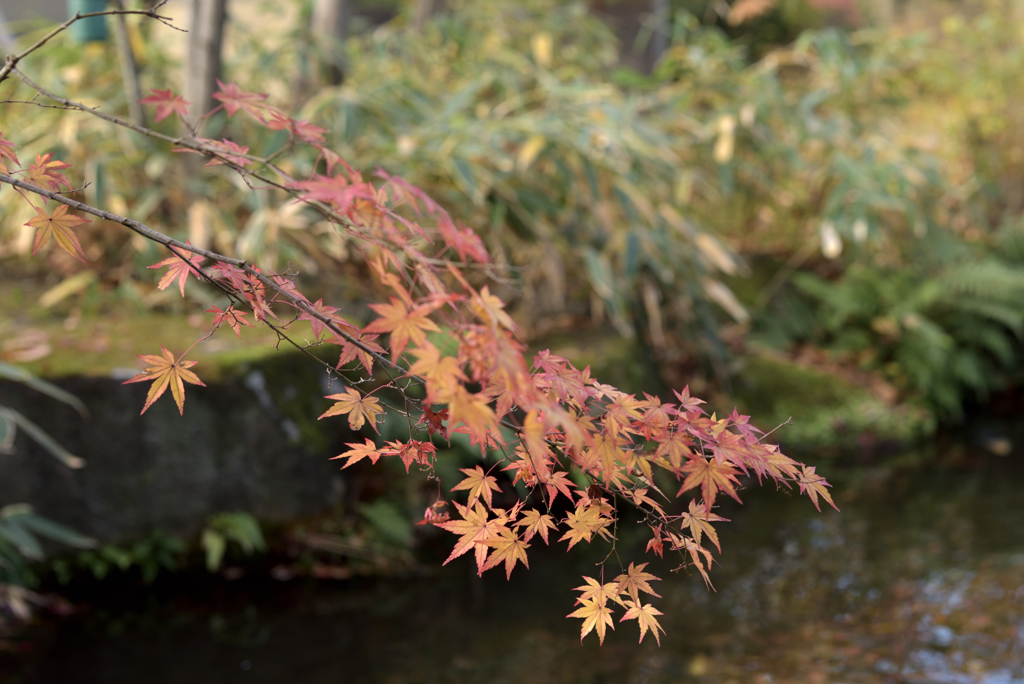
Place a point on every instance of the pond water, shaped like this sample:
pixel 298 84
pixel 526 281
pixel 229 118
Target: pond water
pixel 919 579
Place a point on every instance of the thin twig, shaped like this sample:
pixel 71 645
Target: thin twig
pixel 12 60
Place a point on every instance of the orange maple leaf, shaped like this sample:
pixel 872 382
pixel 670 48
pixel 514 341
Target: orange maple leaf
pixel 479 484
pixel 59 224
pixel 536 523
pixel 403 324
pixel 596 616
pixel 46 171
pixel 179 270
pixel 358 407
pixel 442 373
pixel 473 411
pixel 644 616
pixel 635 580
pixel 814 484
pixel 360 451
pixel 165 372
pixel 475 529
pixel 699 521
pixel 508 547
pixel 711 477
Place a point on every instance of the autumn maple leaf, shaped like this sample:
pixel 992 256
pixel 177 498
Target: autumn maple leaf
pixel 350 351
pixel 314 322
pixel 232 316
pixel 166 103
pixel 475 529
pixel 814 484
pixel 583 523
pixel 403 324
pixel 179 270
pixel 358 407
pixel 596 616
pixel 508 547
pixel 7 152
pixel 635 580
pixel 699 521
pixel 46 171
pixel 435 421
pixel 234 98
pixel 59 224
pixel 230 151
pixel 711 477
pixel 595 591
pixel 536 523
pixel 165 372
pixel 358 452
pixel 644 615
pixel 463 240
pixel 479 484
pixel 310 133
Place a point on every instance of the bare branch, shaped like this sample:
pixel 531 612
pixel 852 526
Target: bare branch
pixel 12 60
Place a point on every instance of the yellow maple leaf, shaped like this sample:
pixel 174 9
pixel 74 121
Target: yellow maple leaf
pixel 583 523
pixel 644 615
pixel 596 616
pixel 358 407
pixel 635 580
pixel 508 548
pixel 595 591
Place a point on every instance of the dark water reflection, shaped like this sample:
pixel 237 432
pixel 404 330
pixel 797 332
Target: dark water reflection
pixel 919 580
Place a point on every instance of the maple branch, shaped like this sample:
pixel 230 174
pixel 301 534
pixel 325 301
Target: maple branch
pixel 169 242
pixel 228 160
pixel 11 61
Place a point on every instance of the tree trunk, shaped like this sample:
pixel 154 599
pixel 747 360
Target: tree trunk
pixel 129 68
pixel 659 36
pixel 329 26
pixel 423 10
pixel 206 33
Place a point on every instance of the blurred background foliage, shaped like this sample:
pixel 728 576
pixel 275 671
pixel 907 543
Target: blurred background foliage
pixel 784 187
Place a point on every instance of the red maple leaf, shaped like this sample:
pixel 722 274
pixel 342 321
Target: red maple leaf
pixel 179 269
pixel 167 103
pixel 7 152
pixel 350 350
pixel 435 421
pixel 229 151
pixel 232 316
pixel 234 98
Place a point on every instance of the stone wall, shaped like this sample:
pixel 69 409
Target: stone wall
pixel 250 443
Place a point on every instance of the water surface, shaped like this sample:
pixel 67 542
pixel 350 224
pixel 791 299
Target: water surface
pixel 919 579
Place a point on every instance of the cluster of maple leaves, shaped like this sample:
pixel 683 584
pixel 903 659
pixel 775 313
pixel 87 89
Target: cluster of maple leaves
pixel 568 427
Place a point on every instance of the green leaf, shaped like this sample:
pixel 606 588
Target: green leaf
pixel 9 372
pixel 44 440
pixel 214 544
pixel 55 531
